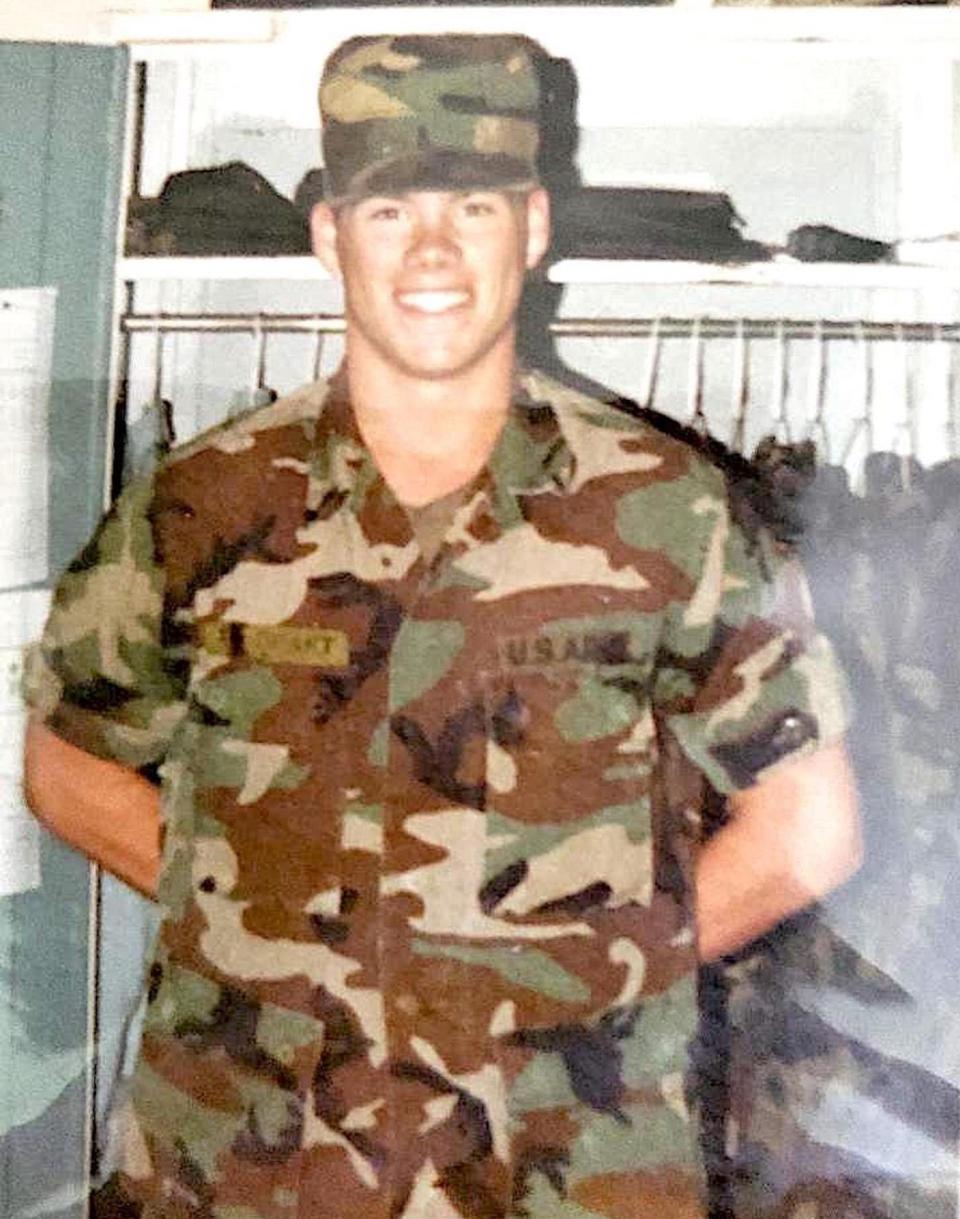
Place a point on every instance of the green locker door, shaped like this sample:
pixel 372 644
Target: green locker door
pixel 62 124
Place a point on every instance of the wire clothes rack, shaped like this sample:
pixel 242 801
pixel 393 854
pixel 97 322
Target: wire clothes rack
pixel 584 327
pixel 856 384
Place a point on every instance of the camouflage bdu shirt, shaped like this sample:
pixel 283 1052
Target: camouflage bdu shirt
pixel 427 947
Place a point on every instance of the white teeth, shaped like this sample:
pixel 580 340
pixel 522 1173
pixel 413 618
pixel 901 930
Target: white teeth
pixel 432 302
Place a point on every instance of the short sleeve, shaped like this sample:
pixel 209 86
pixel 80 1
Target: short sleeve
pixel 100 677
pixel 745 680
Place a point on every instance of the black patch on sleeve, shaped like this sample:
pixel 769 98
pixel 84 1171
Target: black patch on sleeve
pixel 151 772
pixel 744 760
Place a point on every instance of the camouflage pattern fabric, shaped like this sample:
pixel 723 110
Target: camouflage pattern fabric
pixel 427 946
pixel 447 111
pixel 845 1055
pixel 823 1124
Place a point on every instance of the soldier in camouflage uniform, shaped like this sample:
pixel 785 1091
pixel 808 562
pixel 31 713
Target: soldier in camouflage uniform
pixel 428 946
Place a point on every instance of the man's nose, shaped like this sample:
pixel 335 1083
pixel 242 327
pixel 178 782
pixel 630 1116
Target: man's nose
pixel 433 243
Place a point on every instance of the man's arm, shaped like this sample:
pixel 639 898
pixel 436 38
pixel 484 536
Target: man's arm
pixel 791 839
pixel 105 810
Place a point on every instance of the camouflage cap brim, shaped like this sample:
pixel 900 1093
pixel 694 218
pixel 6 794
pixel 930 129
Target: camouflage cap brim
pixel 437 169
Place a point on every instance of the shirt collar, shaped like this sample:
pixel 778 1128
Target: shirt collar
pixel 530 457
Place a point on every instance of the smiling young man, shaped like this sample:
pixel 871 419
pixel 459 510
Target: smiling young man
pixel 414 655
pixel 432 282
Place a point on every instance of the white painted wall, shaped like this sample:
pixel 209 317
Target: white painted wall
pixel 78 20
pixel 854 134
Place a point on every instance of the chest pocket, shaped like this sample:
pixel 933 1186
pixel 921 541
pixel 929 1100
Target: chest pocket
pixel 571 748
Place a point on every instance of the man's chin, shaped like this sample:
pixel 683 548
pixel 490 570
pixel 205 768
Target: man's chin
pixel 439 372
pixel 432 362
pixel 438 366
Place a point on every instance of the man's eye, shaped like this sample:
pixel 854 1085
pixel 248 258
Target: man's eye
pixel 385 211
pixel 478 207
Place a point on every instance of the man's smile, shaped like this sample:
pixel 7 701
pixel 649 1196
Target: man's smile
pixel 433 301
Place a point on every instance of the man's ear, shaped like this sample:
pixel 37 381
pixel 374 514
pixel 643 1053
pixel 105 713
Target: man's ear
pixel 538 226
pixel 323 236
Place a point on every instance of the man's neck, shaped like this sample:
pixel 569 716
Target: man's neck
pixel 429 436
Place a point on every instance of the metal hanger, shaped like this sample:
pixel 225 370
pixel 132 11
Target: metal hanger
pixel 162 407
pixel 863 423
pixel 695 412
pixel 905 438
pixel 259 393
pixel 781 386
pixel 649 389
pixel 950 425
pixel 158 349
pixel 817 395
pixel 318 346
pixel 740 385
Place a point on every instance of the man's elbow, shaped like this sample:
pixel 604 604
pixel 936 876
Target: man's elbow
pixel 825 856
pixel 50 793
pixel 807 813
pixel 36 776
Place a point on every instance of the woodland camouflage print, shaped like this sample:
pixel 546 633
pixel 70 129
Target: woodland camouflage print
pixel 791 1065
pixel 427 948
pixel 450 111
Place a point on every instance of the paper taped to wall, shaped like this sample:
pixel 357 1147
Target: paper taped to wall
pixel 22 615
pixel 26 352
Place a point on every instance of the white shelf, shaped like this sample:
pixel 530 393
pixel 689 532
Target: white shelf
pixel 826 30
pixel 779 273
pixel 281 267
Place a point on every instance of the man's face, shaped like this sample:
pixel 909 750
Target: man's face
pixel 432 279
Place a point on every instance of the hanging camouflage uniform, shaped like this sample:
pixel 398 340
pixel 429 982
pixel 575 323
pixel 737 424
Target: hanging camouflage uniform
pixel 844 1066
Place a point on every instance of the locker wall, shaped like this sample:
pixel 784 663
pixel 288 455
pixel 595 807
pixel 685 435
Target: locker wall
pixel 62 121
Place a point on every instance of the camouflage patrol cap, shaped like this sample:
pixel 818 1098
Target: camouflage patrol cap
pixel 447 111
